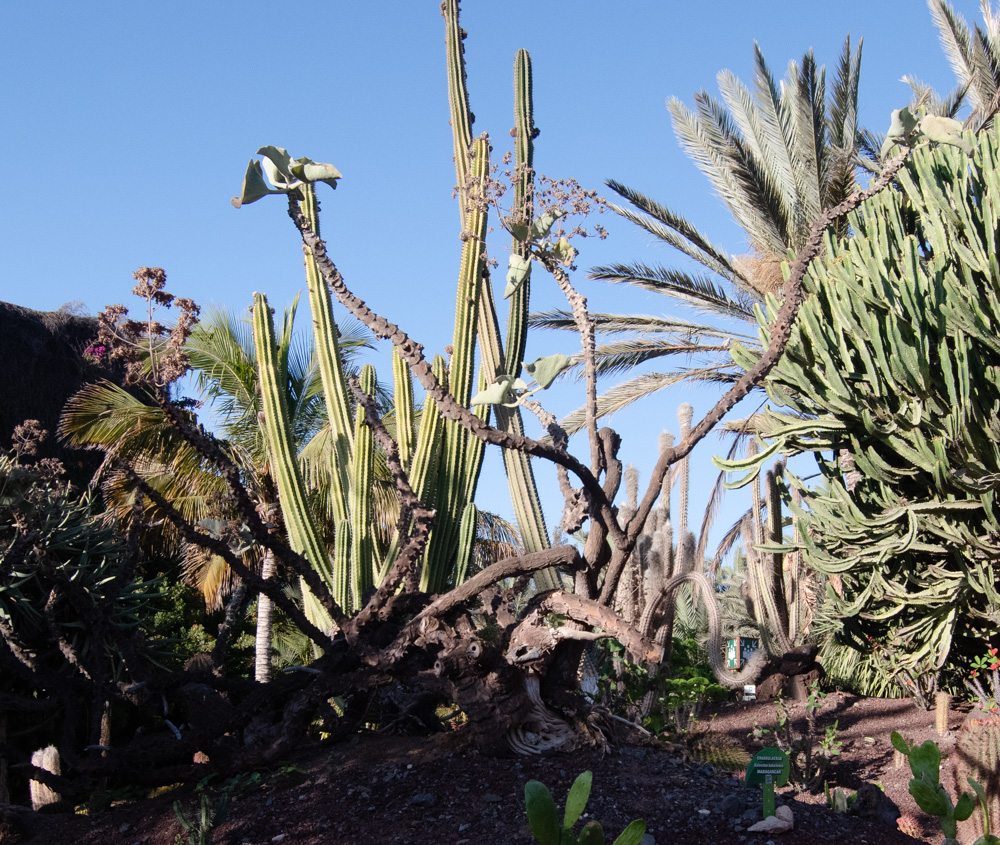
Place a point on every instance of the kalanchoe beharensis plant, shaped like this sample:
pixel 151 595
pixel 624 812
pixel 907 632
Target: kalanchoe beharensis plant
pixel 397 616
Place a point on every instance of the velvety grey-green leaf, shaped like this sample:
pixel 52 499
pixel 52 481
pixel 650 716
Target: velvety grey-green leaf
pixel 520 231
pixel 545 370
pixel 944 130
pixel 277 165
pixel 316 171
pixel 564 252
pixel 541 226
pixel 497 393
pixel 254 186
pixel 902 124
pixel 517 272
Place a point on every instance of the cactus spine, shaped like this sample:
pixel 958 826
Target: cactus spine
pixel 302 533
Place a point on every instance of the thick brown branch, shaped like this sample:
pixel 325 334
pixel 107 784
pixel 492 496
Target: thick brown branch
pixel 411 508
pixel 780 333
pixel 507 568
pixel 412 353
pixel 269 587
pixel 587 612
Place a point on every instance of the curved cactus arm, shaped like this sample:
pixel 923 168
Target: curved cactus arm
pixel 302 534
pixel 655 610
pixel 331 366
pixel 362 543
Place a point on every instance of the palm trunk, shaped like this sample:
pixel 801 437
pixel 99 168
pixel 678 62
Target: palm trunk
pixel 265 607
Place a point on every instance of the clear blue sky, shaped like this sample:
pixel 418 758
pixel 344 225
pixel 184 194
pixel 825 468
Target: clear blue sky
pixel 128 127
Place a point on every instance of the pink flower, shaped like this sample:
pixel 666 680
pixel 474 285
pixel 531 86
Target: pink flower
pixel 974 673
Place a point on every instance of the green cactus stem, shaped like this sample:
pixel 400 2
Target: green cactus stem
pixel 302 533
pixel 362 476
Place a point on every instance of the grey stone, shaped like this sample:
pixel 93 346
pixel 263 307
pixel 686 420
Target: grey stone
pixel 731 806
pixel 490 798
pixel 423 799
pixel 647 840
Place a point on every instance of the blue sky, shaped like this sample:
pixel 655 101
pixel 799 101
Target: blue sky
pixel 129 125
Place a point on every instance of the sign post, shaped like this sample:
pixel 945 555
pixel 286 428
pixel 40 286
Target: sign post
pixel 769 768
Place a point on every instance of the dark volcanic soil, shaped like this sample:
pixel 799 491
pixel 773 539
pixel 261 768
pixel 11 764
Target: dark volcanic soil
pixel 383 789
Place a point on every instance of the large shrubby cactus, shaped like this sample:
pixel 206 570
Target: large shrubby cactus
pixel 890 380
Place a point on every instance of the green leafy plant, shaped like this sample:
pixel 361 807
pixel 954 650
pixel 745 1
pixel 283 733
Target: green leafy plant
pixel 809 752
pixel 988 666
pixel 931 796
pixel 204 820
pixel 543 817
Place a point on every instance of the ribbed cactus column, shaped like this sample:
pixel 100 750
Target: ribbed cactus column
pixel 363 567
pixel 331 365
pixel 302 534
pixel 495 360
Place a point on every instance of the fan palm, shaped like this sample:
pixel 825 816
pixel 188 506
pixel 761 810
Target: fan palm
pixel 776 156
pixel 103 416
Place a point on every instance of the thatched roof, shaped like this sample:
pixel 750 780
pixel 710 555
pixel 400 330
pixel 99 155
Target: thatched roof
pixel 41 366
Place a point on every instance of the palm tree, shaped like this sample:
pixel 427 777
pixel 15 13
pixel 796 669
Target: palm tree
pixel 222 356
pixel 973 54
pixel 776 157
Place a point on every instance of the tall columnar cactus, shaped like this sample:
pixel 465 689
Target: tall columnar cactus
pixel 442 458
pixel 497 360
pixel 303 535
pixel 777 588
pixel 363 565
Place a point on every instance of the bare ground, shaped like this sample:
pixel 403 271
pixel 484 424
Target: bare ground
pixel 423 790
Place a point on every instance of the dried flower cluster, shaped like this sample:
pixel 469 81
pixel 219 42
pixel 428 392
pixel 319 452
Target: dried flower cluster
pixel 153 353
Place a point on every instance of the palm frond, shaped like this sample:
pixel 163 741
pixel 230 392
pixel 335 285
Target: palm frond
pixel 624 355
pixel 807 86
pixel 623 395
pixel 767 128
pixel 698 291
pixel 957 42
pixel 672 228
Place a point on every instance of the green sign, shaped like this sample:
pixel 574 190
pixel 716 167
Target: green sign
pixel 769 768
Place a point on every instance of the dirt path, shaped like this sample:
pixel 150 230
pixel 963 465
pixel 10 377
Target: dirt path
pixel 384 789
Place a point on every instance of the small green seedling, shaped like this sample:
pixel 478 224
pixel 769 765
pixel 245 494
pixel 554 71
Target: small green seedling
pixel 544 820
pixel 931 797
pixel 769 768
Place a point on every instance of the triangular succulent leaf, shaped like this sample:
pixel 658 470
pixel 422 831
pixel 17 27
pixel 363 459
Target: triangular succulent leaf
pixel 517 272
pixel 254 186
pixel 545 370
